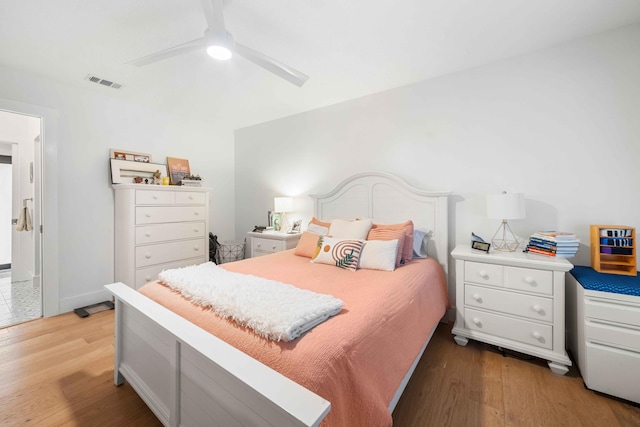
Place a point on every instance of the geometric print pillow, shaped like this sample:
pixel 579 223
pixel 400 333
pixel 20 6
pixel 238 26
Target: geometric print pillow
pixel 343 253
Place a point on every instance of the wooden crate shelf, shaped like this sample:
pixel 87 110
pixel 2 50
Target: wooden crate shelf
pixel 613 249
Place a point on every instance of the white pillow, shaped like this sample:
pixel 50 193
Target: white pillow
pixel 317 229
pixel 342 229
pixel 343 253
pixel 379 255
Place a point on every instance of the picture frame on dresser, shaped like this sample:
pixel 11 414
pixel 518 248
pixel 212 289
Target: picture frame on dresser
pixel 124 171
pixel 178 169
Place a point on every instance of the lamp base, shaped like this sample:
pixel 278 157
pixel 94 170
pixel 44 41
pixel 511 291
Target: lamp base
pixel 504 240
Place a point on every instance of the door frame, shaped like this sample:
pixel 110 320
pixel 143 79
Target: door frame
pixel 48 199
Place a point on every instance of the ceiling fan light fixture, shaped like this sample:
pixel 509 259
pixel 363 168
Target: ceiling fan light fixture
pixel 219 45
pixel 219 52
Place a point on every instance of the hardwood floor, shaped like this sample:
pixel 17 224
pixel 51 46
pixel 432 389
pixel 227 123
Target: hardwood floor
pixel 59 372
pixel 476 386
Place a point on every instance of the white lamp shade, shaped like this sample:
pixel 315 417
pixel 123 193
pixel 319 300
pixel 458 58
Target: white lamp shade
pixel 283 204
pixel 505 206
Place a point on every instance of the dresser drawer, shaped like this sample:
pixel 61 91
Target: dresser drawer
pixel 171 231
pixel 167 252
pixel 191 198
pixel 613 371
pixel 530 306
pixel 524 331
pixel 613 311
pixel 260 246
pixel 616 335
pixel 529 279
pixel 148 274
pixel 488 274
pixel 157 197
pixel 156 215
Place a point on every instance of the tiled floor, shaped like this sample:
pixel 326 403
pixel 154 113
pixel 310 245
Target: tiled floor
pixel 19 301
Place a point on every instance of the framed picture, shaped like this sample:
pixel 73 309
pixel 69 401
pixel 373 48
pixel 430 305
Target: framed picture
pixel 126 171
pixel 178 169
pixel 276 221
pixel 130 155
pixel 297 225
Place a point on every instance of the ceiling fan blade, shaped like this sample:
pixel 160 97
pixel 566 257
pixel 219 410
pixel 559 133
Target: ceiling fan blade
pixel 276 67
pixel 187 47
pixel 214 14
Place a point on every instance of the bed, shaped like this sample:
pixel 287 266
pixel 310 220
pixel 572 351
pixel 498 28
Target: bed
pixel 189 376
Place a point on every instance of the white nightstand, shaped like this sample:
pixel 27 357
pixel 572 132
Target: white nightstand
pixel 270 242
pixel 513 300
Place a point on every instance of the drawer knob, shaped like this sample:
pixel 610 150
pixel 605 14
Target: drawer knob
pixel 483 274
pixel 148 256
pixel 259 244
pixel 196 213
pixel 148 234
pixel 537 335
pixel 190 197
pixel 538 309
pixel 529 280
pixel 148 215
pixel 155 197
pixel 273 247
pixel 195 248
pixel 477 297
pixel 147 278
pixel 195 230
pixel 477 321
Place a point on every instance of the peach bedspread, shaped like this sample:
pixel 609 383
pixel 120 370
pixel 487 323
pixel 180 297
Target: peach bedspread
pixel 356 359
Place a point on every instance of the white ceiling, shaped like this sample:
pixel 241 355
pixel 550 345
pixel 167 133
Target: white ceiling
pixel 350 48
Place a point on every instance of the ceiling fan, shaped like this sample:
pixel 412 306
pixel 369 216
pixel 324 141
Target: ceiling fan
pixel 220 45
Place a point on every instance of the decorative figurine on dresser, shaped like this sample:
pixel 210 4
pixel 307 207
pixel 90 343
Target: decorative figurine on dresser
pixel 158 227
pixel 514 300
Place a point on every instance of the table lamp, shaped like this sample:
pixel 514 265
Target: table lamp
pixel 282 205
pixel 505 206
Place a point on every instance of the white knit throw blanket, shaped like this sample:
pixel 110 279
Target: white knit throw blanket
pixel 274 310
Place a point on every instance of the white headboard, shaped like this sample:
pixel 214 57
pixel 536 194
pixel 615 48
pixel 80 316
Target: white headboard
pixel 387 199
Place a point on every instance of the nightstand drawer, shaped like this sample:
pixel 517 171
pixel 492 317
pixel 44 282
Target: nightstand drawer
pixel 532 307
pixel 167 252
pixel 488 274
pixel 529 279
pixel 157 197
pixel 155 215
pixel 171 231
pixel 523 331
pixel 189 198
pixel 614 311
pixel 260 246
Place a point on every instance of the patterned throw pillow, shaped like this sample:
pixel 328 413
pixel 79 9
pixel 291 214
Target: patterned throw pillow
pixel 343 253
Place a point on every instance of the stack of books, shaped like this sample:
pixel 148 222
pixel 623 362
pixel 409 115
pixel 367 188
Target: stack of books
pixel 553 243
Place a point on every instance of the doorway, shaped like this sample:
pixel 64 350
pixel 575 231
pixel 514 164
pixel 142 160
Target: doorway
pixel 20 239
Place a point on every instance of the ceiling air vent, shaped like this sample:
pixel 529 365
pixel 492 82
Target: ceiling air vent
pixel 103 82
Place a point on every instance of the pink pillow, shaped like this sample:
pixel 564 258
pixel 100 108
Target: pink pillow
pixel 407 246
pixel 307 245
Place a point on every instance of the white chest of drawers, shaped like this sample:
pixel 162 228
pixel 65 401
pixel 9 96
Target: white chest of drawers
pixel 270 242
pixel 603 332
pixel 158 227
pixel 513 300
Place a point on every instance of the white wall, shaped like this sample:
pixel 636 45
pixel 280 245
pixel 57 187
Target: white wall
pixel 560 125
pixel 92 121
